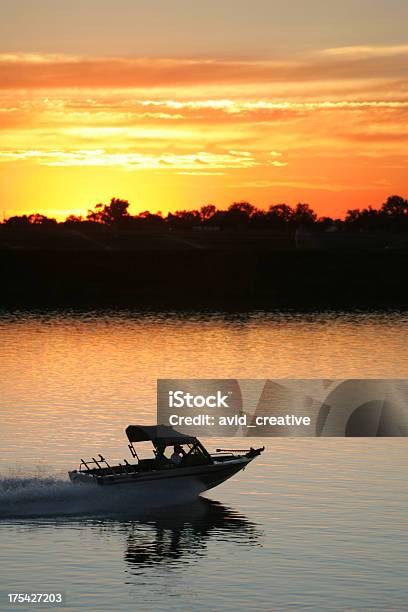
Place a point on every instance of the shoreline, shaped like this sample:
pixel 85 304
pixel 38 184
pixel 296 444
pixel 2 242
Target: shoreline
pixel 198 280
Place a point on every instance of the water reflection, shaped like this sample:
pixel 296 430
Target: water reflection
pixel 171 535
pixel 149 537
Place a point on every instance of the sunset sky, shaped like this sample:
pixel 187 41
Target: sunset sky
pixel 172 105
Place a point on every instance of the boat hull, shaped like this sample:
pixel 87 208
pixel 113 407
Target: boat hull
pixel 197 478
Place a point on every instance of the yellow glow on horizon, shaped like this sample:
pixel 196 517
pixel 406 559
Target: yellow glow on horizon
pixel 328 128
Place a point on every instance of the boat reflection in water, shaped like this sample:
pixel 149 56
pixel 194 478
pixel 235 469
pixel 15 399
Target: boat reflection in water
pixel 182 533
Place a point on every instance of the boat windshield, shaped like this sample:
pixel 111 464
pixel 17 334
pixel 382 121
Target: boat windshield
pixel 189 453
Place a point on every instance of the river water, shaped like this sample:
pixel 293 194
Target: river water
pixel 312 524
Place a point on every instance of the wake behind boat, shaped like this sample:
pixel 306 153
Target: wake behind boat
pixel 190 465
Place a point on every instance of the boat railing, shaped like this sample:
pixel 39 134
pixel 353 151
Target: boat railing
pixel 247 452
pixel 101 466
pixel 233 450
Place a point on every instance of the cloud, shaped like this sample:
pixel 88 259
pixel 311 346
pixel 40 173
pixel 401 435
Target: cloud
pixel 362 51
pixel 278 164
pixel 316 185
pixel 201 173
pixel 39 71
pixel 377 137
pixel 101 117
pixel 337 109
pixel 200 162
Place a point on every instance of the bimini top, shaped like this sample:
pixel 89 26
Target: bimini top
pixel 160 433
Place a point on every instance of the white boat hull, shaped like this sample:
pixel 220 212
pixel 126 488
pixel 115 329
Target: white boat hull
pixel 190 479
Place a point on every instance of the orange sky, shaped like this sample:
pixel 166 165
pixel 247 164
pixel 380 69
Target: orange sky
pixel 323 124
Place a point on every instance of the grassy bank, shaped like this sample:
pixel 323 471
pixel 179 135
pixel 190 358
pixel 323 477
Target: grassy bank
pixel 195 278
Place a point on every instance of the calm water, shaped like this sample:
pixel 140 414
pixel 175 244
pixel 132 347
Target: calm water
pixel 317 524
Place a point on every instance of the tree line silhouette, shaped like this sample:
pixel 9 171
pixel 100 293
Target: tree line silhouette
pixel 392 215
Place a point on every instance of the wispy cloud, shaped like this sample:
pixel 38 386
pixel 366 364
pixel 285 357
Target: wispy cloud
pixel 200 161
pixel 36 71
pixel 316 185
pixel 278 164
pixel 266 124
pixel 361 51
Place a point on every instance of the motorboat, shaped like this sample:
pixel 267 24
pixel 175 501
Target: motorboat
pixel 189 465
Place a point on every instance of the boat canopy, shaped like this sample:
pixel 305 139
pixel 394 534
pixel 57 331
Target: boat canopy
pixel 162 434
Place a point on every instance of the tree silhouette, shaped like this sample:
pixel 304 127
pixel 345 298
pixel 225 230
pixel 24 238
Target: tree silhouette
pixel 280 215
pixel 391 216
pixel 34 219
pixel 112 214
pixel 18 221
pixel 184 219
pixel 304 215
pixel 149 220
pixel 207 212
pixel 239 214
pixel 73 220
